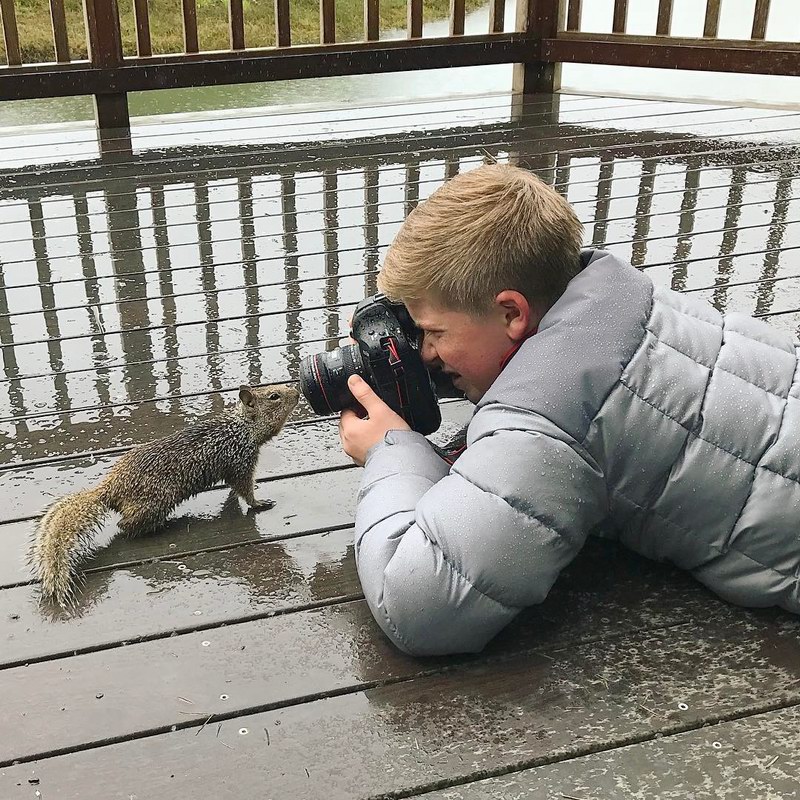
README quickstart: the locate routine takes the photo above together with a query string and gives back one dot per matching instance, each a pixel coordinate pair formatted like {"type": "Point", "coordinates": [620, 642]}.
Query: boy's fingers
{"type": "Point", "coordinates": [346, 415]}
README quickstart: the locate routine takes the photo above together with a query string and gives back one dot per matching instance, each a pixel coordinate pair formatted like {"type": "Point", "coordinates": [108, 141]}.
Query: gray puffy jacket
{"type": "Point", "coordinates": [632, 405]}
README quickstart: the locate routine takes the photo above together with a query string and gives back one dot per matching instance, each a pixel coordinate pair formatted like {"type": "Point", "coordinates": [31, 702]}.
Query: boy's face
{"type": "Point", "coordinates": [468, 348]}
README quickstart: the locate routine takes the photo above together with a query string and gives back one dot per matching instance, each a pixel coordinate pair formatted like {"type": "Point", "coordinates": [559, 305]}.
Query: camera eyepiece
{"type": "Point", "coordinates": [386, 355]}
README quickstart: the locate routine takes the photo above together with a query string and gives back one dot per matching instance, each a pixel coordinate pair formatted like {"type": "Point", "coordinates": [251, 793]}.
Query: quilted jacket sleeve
{"type": "Point", "coordinates": [448, 556]}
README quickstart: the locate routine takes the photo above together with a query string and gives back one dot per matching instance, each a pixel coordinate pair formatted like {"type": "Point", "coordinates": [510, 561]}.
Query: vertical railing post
{"type": "Point", "coordinates": [540, 19]}
{"type": "Point", "coordinates": [105, 51]}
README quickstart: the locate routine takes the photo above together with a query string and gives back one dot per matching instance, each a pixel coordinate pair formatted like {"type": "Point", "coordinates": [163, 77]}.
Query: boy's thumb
{"type": "Point", "coordinates": [362, 391]}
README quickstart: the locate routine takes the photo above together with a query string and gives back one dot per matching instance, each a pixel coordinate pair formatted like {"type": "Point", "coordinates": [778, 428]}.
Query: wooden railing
{"type": "Point", "coordinates": [705, 50]}
{"type": "Point", "coordinates": [547, 34]}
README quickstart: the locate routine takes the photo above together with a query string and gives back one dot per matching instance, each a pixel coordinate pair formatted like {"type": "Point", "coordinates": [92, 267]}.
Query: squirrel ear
{"type": "Point", "coordinates": [246, 396]}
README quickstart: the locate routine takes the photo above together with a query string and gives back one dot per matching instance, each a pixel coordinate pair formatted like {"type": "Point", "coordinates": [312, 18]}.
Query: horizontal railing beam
{"type": "Point", "coordinates": [716, 55]}
{"type": "Point", "coordinates": [211, 69]}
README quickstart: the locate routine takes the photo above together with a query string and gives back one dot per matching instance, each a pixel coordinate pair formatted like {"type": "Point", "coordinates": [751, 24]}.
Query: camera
{"type": "Point", "coordinates": [386, 354]}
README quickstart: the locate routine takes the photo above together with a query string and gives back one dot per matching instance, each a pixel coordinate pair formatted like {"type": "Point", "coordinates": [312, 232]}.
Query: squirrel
{"type": "Point", "coordinates": [151, 479]}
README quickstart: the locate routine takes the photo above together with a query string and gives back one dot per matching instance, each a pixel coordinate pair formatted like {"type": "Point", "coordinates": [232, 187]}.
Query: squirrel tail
{"type": "Point", "coordinates": [63, 538]}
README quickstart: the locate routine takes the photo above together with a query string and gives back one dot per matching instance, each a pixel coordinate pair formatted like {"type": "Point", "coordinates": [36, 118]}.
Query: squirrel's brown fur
{"type": "Point", "coordinates": [146, 484]}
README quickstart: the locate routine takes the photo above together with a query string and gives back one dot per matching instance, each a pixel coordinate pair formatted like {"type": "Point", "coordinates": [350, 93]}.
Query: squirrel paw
{"type": "Point", "coordinates": [262, 505]}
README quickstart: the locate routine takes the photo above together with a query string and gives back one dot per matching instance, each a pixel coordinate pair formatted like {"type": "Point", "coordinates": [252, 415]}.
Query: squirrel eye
{"type": "Point", "coordinates": [274, 396]}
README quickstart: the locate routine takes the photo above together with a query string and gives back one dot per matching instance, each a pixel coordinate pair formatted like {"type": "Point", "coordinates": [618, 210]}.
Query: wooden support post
{"type": "Point", "coordinates": [105, 50]}
{"type": "Point", "coordinates": [540, 19]}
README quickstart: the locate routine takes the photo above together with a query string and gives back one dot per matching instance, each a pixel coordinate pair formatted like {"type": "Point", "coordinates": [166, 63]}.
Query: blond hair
{"type": "Point", "coordinates": [493, 228]}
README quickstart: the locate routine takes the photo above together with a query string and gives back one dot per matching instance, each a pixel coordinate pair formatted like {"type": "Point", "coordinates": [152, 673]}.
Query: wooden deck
{"type": "Point", "coordinates": [232, 656]}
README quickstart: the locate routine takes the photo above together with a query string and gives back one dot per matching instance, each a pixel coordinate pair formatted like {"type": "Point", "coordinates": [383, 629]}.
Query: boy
{"type": "Point", "coordinates": [600, 399]}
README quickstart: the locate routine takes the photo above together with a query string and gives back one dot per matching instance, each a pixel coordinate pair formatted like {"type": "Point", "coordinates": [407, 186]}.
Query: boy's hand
{"type": "Point", "coordinates": [358, 434]}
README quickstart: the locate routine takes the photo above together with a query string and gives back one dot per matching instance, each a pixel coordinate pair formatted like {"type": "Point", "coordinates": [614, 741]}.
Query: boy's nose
{"type": "Point", "coordinates": [429, 355]}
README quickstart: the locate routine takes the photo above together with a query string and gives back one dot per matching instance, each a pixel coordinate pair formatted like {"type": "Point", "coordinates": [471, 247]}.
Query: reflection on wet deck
{"type": "Point", "coordinates": [137, 292]}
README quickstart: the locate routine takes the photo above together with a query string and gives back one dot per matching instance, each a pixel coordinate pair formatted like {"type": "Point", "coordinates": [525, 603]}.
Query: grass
{"type": "Point", "coordinates": [166, 24]}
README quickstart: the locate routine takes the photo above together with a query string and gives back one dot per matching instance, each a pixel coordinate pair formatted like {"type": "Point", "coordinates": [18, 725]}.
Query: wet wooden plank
{"type": "Point", "coordinates": [10, 32]}
{"type": "Point", "coordinates": [200, 592]}
{"type": "Point", "coordinates": [298, 449]}
{"type": "Point", "coordinates": [172, 164]}
{"type": "Point", "coordinates": [705, 274]}
{"type": "Point", "coordinates": [677, 112]}
{"type": "Point", "coordinates": [763, 297]}
{"type": "Point", "coordinates": [748, 240]}
{"type": "Point", "coordinates": [533, 103]}
{"type": "Point", "coordinates": [670, 768]}
{"type": "Point", "coordinates": [351, 286]}
{"type": "Point", "coordinates": [214, 519]}
{"type": "Point", "coordinates": [481, 720]}
{"type": "Point", "coordinates": [129, 603]}
{"type": "Point", "coordinates": [581, 608]}
{"type": "Point", "coordinates": [109, 430]}
{"type": "Point", "coordinates": [672, 138]}
{"type": "Point", "coordinates": [60, 38]}
{"type": "Point", "coordinates": [774, 122]}
{"type": "Point", "coordinates": [284, 456]}
{"type": "Point", "coordinates": [77, 330]}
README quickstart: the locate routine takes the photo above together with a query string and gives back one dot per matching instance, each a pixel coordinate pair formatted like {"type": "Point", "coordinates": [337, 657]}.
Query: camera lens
{"type": "Point", "coordinates": [323, 378]}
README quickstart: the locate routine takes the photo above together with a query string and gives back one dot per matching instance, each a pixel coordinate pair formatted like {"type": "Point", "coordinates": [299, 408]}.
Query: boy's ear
{"type": "Point", "coordinates": [247, 397]}
{"type": "Point", "coordinates": [517, 313]}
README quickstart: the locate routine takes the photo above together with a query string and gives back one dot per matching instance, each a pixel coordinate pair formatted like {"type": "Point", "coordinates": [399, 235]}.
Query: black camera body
{"type": "Point", "coordinates": [386, 355]}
